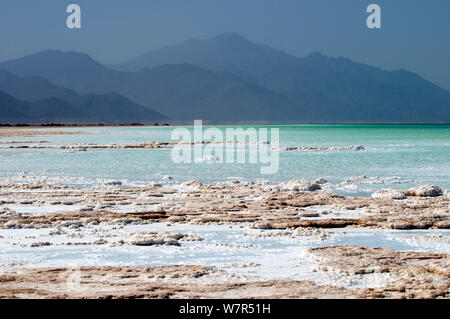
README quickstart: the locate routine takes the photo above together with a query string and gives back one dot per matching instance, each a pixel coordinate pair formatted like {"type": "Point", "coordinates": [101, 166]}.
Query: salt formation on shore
{"type": "Point", "coordinates": [428, 190]}
{"type": "Point", "coordinates": [59, 216]}
{"type": "Point", "coordinates": [274, 206]}
{"type": "Point", "coordinates": [300, 185]}
{"type": "Point", "coordinates": [164, 145]}
{"type": "Point", "coordinates": [160, 238]}
{"type": "Point", "coordinates": [413, 275]}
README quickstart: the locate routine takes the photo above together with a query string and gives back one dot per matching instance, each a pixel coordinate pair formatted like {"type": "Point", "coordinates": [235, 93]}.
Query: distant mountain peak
{"type": "Point", "coordinates": [51, 59]}
{"type": "Point", "coordinates": [70, 69]}
{"type": "Point", "coordinates": [56, 54]}
{"type": "Point", "coordinates": [230, 36]}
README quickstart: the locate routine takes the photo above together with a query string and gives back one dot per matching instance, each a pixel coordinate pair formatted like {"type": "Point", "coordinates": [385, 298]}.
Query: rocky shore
{"type": "Point", "coordinates": [96, 216]}
{"type": "Point", "coordinates": [297, 203]}
{"type": "Point", "coordinates": [14, 144]}
{"type": "Point", "coordinates": [415, 275]}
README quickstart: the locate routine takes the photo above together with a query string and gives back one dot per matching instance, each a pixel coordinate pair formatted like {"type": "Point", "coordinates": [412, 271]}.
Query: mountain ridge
{"type": "Point", "coordinates": [50, 103]}
{"type": "Point", "coordinates": [230, 79]}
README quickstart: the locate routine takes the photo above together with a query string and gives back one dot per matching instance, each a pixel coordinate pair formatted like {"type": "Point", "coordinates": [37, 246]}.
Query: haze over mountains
{"type": "Point", "coordinates": [37, 101]}
{"type": "Point", "coordinates": [226, 79]}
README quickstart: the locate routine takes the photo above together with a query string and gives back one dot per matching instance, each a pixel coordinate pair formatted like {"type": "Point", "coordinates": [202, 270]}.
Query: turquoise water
{"type": "Point", "coordinates": [395, 156]}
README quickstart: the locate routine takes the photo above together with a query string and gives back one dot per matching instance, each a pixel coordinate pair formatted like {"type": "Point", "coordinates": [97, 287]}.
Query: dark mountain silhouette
{"type": "Point", "coordinates": [185, 91]}
{"type": "Point", "coordinates": [115, 108]}
{"type": "Point", "coordinates": [10, 108]}
{"type": "Point", "coordinates": [230, 79]}
{"type": "Point", "coordinates": [13, 110]}
{"type": "Point", "coordinates": [333, 89]}
{"type": "Point", "coordinates": [341, 90]}
{"type": "Point", "coordinates": [72, 70]}
{"type": "Point", "coordinates": [51, 103]}
{"type": "Point", "coordinates": [35, 88]}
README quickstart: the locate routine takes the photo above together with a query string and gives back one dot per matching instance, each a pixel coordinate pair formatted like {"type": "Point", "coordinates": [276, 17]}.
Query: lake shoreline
{"type": "Point", "coordinates": [104, 212]}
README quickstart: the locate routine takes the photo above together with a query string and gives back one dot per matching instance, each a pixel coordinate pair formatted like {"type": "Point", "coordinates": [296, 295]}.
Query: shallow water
{"type": "Point", "coordinates": [395, 156]}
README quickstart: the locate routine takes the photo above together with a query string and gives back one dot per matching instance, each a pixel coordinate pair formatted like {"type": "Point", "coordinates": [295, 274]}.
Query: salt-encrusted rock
{"type": "Point", "coordinates": [56, 231]}
{"type": "Point", "coordinates": [390, 194]}
{"type": "Point", "coordinates": [100, 241]}
{"type": "Point", "coordinates": [300, 185]}
{"type": "Point", "coordinates": [112, 183]}
{"type": "Point", "coordinates": [192, 183]}
{"type": "Point", "coordinates": [40, 244]}
{"type": "Point", "coordinates": [12, 224]}
{"type": "Point", "coordinates": [261, 225]}
{"type": "Point", "coordinates": [428, 190]}
{"type": "Point", "coordinates": [123, 220]}
{"type": "Point", "coordinates": [176, 218]}
{"type": "Point", "coordinates": [71, 224]}
{"type": "Point", "coordinates": [25, 202]}
{"type": "Point", "coordinates": [309, 214]}
{"type": "Point", "coordinates": [320, 181]}
{"type": "Point", "coordinates": [347, 148]}
{"type": "Point", "coordinates": [307, 231]}
{"type": "Point", "coordinates": [154, 184]}
{"type": "Point", "coordinates": [149, 238]}
{"type": "Point", "coordinates": [191, 237]}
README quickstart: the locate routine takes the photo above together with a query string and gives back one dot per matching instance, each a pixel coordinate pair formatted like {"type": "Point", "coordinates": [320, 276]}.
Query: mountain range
{"type": "Point", "coordinates": [225, 79]}
{"type": "Point", "coordinates": [34, 100]}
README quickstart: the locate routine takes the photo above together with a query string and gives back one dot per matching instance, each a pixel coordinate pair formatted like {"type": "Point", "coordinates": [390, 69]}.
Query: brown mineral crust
{"type": "Point", "coordinates": [98, 282]}
{"type": "Point", "coordinates": [417, 274]}
{"type": "Point", "coordinates": [323, 223]}
{"type": "Point", "coordinates": [54, 219]}
{"type": "Point", "coordinates": [219, 203]}
{"type": "Point", "coordinates": [177, 281]}
{"type": "Point", "coordinates": [272, 289]}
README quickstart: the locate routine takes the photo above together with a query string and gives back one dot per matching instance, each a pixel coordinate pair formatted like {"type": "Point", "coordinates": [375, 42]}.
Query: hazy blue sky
{"type": "Point", "coordinates": [415, 34]}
